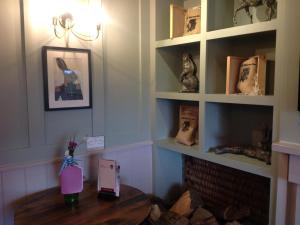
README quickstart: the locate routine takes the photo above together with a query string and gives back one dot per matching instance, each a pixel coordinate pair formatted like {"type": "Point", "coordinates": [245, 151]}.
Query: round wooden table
{"type": "Point", "coordinates": [48, 208]}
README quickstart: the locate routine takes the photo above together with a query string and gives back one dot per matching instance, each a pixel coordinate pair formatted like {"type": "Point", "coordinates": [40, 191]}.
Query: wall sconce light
{"type": "Point", "coordinates": [66, 23]}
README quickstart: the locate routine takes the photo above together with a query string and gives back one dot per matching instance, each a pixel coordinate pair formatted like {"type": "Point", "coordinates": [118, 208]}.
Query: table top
{"type": "Point", "coordinates": [48, 208]}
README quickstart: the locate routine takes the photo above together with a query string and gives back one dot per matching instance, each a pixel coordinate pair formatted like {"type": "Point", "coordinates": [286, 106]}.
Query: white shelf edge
{"type": "Point", "coordinates": [243, 30]}
{"type": "Point", "coordinates": [238, 162]}
{"type": "Point", "coordinates": [178, 96]}
{"type": "Point", "coordinates": [267, 100]}
{"type": "Point", "coordinates": [286, 147]}
{"type": "Point", "coordinates": [178, 41]}
{"type": "Point", "coordinates": [170, 144]}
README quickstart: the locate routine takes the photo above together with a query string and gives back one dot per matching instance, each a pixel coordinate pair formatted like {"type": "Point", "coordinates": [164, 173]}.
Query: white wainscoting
{"type": "Point", "coordinates": [288, 186]}
{"type": "Point", "coordinates": [19, 180]}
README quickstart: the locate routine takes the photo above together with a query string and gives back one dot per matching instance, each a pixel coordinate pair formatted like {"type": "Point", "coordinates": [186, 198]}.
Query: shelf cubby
{"type": "Point", "coordinates": [163, 16]}
{"type": "Point", "coordinates": [167, 124]}
{"type": "Point", "coordinates": [242, 46]}
{"type": "Point", "coordinates": [169, 65]}
{"type": "Point", "coordinates": [232, 124]}
{"type": "Point", "coordinates": [220, 14]}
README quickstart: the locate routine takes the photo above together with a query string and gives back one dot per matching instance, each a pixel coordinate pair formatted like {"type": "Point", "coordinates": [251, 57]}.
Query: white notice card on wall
{"type": "Point", "coordinates": [95, 142]}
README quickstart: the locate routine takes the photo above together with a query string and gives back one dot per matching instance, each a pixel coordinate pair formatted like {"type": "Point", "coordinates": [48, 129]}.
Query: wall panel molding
{"type": "Point", "coordinates": [20, 165]}
{"type": "Point", "coordinates": [14, 113]}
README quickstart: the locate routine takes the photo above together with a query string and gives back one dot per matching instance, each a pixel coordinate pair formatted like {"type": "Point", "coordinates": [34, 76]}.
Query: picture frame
{"type": "Point", "coordinates": [67, 78]}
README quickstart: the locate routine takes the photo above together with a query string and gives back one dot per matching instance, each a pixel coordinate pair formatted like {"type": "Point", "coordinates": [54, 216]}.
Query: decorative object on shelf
{"type": "Point", "coordinates": [184, 21]}
{"type": "Point", "coordinates": [177, 21]}
{"type": "Point", "coordinates": [67, 78]}
{"type": "Point", "coordinates": [260, 147]}
{"type": "Point", "coordinates": [252, 77]}
{"type": "Point", "coordinates": [188, 76]}
{"type": "Point", "coordinates": [192, 21]}
{"type": "Point", "coordinates": [246, 4]}
{"type": "Point", "coordinates": [262, 137]}
{"type": "Point", "coordinates": [232, 73]}
{"type": "Point", "coordinates": [249, 151]}
{"type": "Point", "coordinates": [246, 76]}
{"type": "Point", "coordinates": [108, 178]}
{"type": "Point", "coordinates": [188, 125]}
{"type": "Point", "coordinates": [71, 176]}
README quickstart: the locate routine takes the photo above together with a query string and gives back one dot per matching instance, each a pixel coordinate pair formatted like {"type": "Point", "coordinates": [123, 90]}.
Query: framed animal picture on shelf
{"type": "Point", "coordinates": [67, 78]}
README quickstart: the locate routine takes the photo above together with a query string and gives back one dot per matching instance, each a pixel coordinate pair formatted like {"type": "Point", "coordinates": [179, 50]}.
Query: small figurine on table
{"type": "Point", "coordinates": [188, 77]}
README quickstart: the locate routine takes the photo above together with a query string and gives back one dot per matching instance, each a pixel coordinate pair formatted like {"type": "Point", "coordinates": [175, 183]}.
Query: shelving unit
{"type": "Point", "coordinates": [223, 119]}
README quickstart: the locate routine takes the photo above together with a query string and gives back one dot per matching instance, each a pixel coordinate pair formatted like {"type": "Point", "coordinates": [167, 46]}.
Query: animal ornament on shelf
{"type": "Point", "coordinates": [246, 4]}
{"type": "Point", "coordinates": [188, 77]}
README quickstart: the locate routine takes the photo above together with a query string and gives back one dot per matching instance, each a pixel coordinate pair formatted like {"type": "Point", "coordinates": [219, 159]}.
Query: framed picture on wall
{"type": "Point", "coordinates": [67, 78]}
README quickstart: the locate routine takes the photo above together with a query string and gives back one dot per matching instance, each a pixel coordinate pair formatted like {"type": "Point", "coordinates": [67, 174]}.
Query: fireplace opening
{"type": "Point", "coordinates": [228, 192]}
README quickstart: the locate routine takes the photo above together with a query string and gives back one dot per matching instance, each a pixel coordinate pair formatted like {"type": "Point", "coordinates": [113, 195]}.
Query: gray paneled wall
{"type": "Point", "coordinates": [14, 116]}
{"type": "Point", "coordinates": [126, 51]}
{"type": "Point", "coordinates": [120, 65]}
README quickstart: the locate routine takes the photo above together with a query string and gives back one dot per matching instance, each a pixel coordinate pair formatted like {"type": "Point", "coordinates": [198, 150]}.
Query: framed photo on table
{"type": "Point", "coordinates": [67, 78]}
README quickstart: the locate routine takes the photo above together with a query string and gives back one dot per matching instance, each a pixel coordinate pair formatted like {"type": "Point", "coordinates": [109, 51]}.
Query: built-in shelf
{"type": "Point", "coordinates": [239, 162]}
{"type": "Point", "coordinates": [242, 30]}
{"type": "Point", "coordinates": [223, 119]}
{"type": "Point", "coordinates": [172, 145]}
{"type": "Point", "coordinates": [189, 39]}
{"type": "Point", "coordinates": [267, 100]}
{"type": "Point", "coordinates": [178, 96]}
